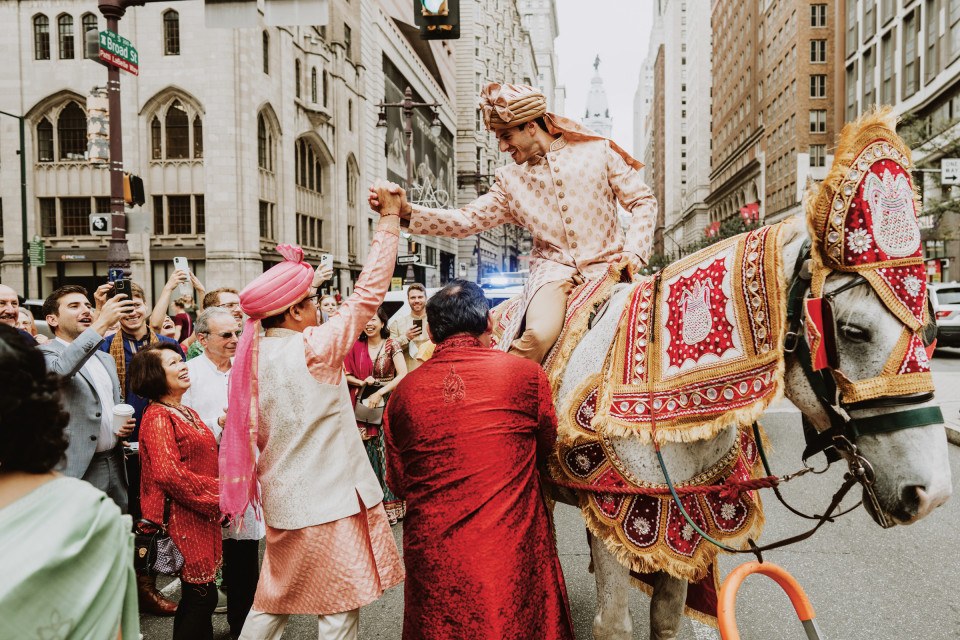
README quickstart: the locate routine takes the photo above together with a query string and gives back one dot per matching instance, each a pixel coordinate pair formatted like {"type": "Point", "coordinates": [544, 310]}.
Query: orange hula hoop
{"type": "Point", "coordinates": [728, 598]}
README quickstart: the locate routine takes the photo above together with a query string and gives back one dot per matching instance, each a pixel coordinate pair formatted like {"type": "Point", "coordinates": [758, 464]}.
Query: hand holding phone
{"type": "Point", "coordinates": [181, 264]}
{"type": "Point", "coordinates": [122, 285]}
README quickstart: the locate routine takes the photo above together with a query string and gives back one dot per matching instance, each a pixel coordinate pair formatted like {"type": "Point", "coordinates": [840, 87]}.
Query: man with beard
{"type": "Point", "coordinates": [134, 335]}
{"type": "Point", "coordinates": [10, 312]}
{"type": "Point", "coordinates": [410, 329]}
{"type": "Point", "coordinates": [218, 332]}
{"type": "Point", "coordinates": [90, 388]}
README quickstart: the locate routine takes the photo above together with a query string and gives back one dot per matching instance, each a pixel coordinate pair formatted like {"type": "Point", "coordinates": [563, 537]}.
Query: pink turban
{"type": "Point", "coordinates": [279, 287]}
{"type": "Point", "coordinates": [273, 292]}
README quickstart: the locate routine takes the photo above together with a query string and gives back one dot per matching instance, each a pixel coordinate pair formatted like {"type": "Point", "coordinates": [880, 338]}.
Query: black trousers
{"type": "Point", "coordinates": [194, 618]}
{"type": "Point", "coordinates": [241, 571]}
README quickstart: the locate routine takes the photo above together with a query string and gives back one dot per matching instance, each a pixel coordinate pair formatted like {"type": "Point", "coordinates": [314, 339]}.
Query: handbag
{"type": "Point", "coordinates": [154, 551]}
{"type": "Point", "coordinates": [372, 416]}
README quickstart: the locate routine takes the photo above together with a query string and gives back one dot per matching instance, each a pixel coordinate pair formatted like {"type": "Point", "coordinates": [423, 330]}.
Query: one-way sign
{"type": "Point", "coordinates": [407, 259]}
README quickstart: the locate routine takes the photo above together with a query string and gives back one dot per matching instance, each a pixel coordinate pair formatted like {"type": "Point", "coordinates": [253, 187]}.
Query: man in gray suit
{"type": "Point", "coordinates": [91, 387]}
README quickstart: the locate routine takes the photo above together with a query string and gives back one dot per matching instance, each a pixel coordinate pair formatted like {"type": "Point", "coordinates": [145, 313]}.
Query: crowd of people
{"type": "Point", "coordinates": [280, 419]}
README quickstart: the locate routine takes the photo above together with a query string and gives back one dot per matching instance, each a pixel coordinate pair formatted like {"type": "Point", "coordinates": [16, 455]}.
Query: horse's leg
{"type": "Point", "coordinates": [666, 606]}
{"type": "Point", "coordinates": [612, 621]}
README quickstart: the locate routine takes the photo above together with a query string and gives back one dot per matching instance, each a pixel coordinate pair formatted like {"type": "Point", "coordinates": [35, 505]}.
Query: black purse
{"type": "Point", "coordinates": [155, 552]}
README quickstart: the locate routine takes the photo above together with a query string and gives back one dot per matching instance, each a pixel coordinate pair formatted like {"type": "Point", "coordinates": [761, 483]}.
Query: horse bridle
{"type": "Point", "coordinates": [840, 439]}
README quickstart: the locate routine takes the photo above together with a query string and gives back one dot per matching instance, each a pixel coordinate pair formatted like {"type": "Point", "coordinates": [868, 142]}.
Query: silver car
{"type": "Point", "coordinates": [945, 298]}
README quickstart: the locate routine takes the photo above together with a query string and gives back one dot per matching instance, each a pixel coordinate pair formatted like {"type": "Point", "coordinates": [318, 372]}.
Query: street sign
{"type": "Point", "coordinates": [407, 259]}
{"type": "Point", "coordinates": [950, 171]}
{"type": "Point", "coordinates": [100, 224]}
{"type": "Point", "coordinates": [37, 252]}
{"type": "Point", "coordinates": [396, 284]}
{"type": "Point", "coordinates": [119, 52]}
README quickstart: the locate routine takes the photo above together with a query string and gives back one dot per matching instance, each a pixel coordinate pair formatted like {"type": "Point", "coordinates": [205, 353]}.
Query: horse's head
{"type": "Point", "coordinates": [857, 367]}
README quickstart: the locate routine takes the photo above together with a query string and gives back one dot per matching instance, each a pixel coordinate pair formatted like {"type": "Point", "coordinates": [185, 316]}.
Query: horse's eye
{"type": "Point", "coordinates": [854, 333]}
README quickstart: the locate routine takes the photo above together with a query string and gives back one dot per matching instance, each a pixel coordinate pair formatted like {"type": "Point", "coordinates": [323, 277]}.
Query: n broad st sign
{"type": "Point", "coordinates": [119, 52]}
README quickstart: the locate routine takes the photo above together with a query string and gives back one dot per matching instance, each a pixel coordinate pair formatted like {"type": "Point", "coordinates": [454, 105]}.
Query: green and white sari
{"type": "Point", "coordinates": [66, 557]}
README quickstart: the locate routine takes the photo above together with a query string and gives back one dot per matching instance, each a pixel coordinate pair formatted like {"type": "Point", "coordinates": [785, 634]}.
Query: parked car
{"type": "Point", "coordinates": [945, 299]}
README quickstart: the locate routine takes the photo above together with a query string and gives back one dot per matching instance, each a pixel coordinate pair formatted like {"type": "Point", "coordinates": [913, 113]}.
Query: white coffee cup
{"type": "Point", "coordinates": [121, 413]}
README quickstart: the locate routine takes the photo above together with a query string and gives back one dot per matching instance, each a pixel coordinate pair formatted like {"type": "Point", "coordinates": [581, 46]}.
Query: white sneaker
{"type": "Point", "coordinates": [221, 602]}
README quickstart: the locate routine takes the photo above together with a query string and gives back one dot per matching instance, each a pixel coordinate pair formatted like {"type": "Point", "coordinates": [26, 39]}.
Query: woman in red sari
{"type": "Point", "coordinates": [376, 362]}
{"type": "Point", "coordinates": [178, 457]}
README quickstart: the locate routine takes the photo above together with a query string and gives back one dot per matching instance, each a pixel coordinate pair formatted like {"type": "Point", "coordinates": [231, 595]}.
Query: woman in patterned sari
{"type": "Point", "coordinates": [375, 363]}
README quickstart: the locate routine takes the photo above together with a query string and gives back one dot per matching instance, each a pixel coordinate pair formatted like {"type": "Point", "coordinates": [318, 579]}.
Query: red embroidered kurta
{"type": "Point", "coordinates": [179, 459]}
{"type": "Point", "coordinates": [465, 433]}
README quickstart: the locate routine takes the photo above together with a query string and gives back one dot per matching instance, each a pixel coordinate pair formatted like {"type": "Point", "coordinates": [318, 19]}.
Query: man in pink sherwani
{"type": "Point", "coordinates": [329, 547]}
{"type": "Point", "coordinates": [564, 189]}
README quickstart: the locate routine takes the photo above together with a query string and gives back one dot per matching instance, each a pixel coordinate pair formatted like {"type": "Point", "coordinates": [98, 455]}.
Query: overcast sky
{"type": "Point", "coordinates": [619, 32]}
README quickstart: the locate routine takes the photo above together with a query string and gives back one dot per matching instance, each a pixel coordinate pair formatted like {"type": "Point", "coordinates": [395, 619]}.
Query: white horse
{"type": "Point", "coordinates": [911, 465]}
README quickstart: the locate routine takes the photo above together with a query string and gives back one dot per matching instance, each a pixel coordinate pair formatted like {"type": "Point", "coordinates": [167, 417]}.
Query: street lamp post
{"type": "Point", "coordinates": [406, 106]}
{"type": "Point", "coordinates": [23, 203]}
{"type": "Point", "coordinates": [480, 181]}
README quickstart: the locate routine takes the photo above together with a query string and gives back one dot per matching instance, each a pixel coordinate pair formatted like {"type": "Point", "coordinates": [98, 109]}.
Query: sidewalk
{"type": "Point", "coordinates": [947, 385]}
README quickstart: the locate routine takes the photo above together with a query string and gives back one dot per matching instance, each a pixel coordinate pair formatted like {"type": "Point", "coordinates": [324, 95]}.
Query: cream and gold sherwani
{"type": "Point", "coordinates": [568, 202]}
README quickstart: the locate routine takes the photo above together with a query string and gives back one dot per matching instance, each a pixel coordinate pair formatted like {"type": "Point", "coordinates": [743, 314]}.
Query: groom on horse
{"type": "Point", "coordinates": [563, 189]}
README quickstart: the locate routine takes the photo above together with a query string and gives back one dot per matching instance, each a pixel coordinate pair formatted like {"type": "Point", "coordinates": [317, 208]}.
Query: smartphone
{"type": "Point", "coordinates": [326, 260]}
{"type": "Point", "coordinates": [418, 323]}
{"type": "Point", "coordinates": [181, 264]}
{"type": "Point", "coordinates": [122, 286]}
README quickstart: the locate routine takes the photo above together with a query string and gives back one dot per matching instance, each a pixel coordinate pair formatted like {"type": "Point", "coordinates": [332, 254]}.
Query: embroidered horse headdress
{"type": "Point", "coordinates": [864, 220]}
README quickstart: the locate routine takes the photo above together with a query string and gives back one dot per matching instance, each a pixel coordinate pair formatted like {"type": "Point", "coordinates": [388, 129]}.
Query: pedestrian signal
{"type": "Point", "coordinates": [133, 190]}
{"type": "Point", "coordinates": [413, 247]}
{"type": "Point", "coordinates": [437, 19]}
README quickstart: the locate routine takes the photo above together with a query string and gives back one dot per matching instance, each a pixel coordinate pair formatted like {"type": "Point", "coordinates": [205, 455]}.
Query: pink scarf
{"type": "Point", "coordinates": [269, 294]}
{"type": "Point", "coordinates": [358, 364]}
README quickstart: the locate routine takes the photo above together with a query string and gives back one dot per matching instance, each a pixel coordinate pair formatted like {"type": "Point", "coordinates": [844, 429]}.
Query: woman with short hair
{"type": "Point", "coordinates": [178, 456]}
{"type": "Point", "coordinates": [67, 560]}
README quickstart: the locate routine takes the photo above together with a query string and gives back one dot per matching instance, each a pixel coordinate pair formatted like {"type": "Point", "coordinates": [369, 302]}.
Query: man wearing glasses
{"type": "Point", "coordinates": [225, 298]}
{"type": "Point", "coordinates": [218, 332]}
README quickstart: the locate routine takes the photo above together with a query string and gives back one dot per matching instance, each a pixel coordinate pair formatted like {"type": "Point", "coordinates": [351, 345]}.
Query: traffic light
{"type": "Point", "coordinates": [133, 190]}
{"type": "Point", "coordinates": [437, 19]}
{"type": "Point", "coordinates": [98, 126]}
{"type": "Point", "coordinates": [413, 247]}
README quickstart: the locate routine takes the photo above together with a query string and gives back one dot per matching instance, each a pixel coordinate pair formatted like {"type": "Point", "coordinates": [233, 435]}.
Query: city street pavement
{"type": "Point", "coordinates": [865, 583]}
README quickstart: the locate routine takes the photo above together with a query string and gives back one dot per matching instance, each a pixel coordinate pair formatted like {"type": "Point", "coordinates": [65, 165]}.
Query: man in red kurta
{"type": "Point", "coordinates": [465, 434]}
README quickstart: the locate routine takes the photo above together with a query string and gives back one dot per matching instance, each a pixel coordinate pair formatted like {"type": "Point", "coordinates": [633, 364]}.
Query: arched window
{"type": "Point", "coordinates": [266, 52]}
{"type": "Point", "coordinates": [89, 23]}
{"type": "Point", "coordinates": [309, 171]}
{"type": "Point", "coordinates": [41, 37]}
{"type": "Point", "coordinates": [65, 36]}
{"type": "Point", "coordinates": [177, 127]}
{"type": "Point", "coordinates": [197, 137]}
{"type": "Point", "coordinates": [325, 89]}
{"type": "Point", "coordinates": [313, 85]}
{"type": "Point", "coordinates": [156, 144]}
{"type": "Point", "coordinates": [171, 33]}
{"type": "Point", "coordinates": [44, 141]}
{"type": "Point", "coordinates": [264, 144]}
{"type": "Point", "coordinates": [176, 131]}
{"type": "Point", "coordinates": [297, 72]}
{"type": "Point", "coordinates": [353, 181]}
{"type": "Point", "coordinates": [72, 132]}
